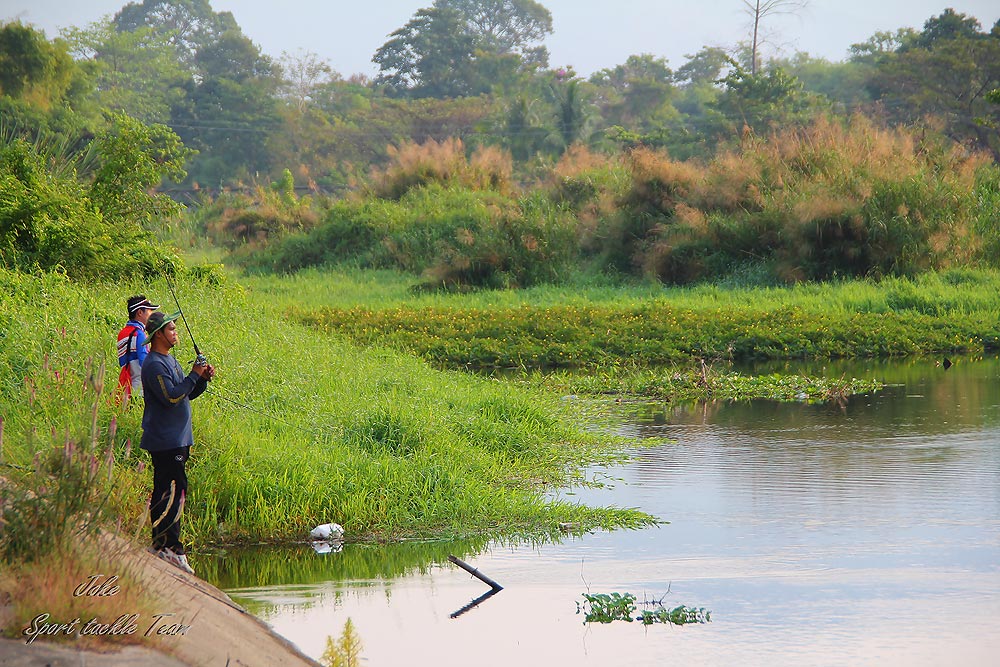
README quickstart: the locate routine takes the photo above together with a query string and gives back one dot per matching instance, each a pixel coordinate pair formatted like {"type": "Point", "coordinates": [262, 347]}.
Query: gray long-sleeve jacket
{"type": "Point", "coordinates": [166, 417]}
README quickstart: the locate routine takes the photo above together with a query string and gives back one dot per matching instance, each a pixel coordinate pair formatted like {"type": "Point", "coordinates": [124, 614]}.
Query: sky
{"type": "Point", "coordinates": [589, 35]}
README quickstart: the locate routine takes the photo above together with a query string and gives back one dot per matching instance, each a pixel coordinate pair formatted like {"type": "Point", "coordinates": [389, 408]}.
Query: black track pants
{"type": "Point", "coordinates": [166, 504]}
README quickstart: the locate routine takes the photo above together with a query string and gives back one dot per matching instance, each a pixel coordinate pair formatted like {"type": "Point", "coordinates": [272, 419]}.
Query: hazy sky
{"type": "Point", "coordinates": [589, 34]}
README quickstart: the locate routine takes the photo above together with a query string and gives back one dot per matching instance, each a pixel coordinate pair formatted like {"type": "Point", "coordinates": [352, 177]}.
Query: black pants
{"type": "Point", "coordinates": [166, 504]}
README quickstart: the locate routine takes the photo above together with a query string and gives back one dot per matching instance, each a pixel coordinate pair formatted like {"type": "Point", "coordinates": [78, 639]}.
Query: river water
{"type": "Point", "coordinates": [861, 534]}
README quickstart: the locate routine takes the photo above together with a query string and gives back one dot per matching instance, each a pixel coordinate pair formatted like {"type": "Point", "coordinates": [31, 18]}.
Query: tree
{"type": "Point", "coordinates": [760, 10]}
{"type": "Point", "coordinates": [431, 56]}
{"type": "Point", "coordinates": [841, 82]}
{"type": "Point", "coordinates": [32, 67]}
{"type": "Point", "coordinates": [882, 44]}
{"type": "Point", "coordinates": [232, 107]}
{"type": "Point", "coordinates": [573, 111]}
{"type": "Point", "coordinates": [302, 75]}
{"type": "Point", "coordinates": [52, 220]}
{"type": "Point", "coordinates": [634, 93]}
{"type": "Point", "coordinates": [506, 26]}
{"type": "Point", "coordinates": [188, 24]}
{"type": "Point", "coordinates": [949, 25]}
{"type": "Point", "coordinates": [133, 159]}
{"type": "Point", "coordinates": [944, 72]}
{"type": "Point", "coordinates": [136, 72]}
{"type": "Point", "coordinates": [463, 47]}
{"type": "Point", "coordinates": [761, 101]}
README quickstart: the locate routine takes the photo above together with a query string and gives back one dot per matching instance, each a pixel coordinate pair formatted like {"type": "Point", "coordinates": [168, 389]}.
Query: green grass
{"type": "Point", "coordinates": [952, 292]}
{"type": "Point", "coordinates": [597, 325]}
{"type": "Point", "coordinates": [305, 426]}
{"type": "Point", "coordinates": [299, 427]}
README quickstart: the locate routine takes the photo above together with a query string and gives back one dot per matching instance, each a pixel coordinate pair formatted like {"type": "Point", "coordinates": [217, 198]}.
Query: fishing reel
{"type": "Point", "coordinates": [201, 360]}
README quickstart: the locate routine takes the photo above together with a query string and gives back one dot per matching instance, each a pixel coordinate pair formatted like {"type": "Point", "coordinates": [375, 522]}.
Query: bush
{"type": "Point", "coordinates": [452, 236]}
{"type": "Point", "coordinates": [48, 222]}
{"type": "Point", "coordinates": [416, 165]}
{"type": "Point", "coordinates": [265, 213]}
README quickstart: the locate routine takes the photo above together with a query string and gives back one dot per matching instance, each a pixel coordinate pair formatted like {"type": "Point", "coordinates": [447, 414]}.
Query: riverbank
{"type": "Point", "coordinates": [192, 624]}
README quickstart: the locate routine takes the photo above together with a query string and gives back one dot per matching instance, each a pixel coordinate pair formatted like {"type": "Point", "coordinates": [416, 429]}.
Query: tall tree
{"type": "Point", "coordinates": [32, 67]}
{"type": "Point", "coordinates": [506, 26]}
{"type": "Point", "coordinates": [759, 10]}
{"type": "Point", "coordinates": [233, 107]}
{"type": "Point", "coordinates": [136, 72]}
{"type": "Point", "coordinates": [302, 74]}
{"type": "Point", "coordinates": [760, 102]}
{"type": "Point", "coordinates": [634, 93]}
{"type": "Point", "coordinates": [945, 72]}
{"type": "Point", "coordinates": [431, 56]}
{"type": "Point", "coordinates": [463, 47]}
{"type": "Point", "coordinates": [188, 24]}
{"type": "Point", "coordinates": [949, 25]}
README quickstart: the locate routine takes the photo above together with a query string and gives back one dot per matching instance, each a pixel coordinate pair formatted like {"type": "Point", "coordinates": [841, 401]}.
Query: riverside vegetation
{"type": "Point", "coordinates": [342, 394]}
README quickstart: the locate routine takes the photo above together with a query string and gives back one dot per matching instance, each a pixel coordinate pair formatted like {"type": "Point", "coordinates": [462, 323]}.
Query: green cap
{"type": "Point", "coordinates": [157, 321]}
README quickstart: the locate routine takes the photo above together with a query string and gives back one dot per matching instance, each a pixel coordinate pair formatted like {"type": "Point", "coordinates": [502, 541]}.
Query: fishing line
{"type": "Point", "coordinates": [202, 359]}
{"type": "Point", "coordinates": [269, 415]}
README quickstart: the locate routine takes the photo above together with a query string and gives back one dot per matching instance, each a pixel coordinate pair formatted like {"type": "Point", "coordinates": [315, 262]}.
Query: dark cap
{"type": "Point", "coordinates": [157, 321]}
{"type": "Point", "coordinates": [139, 301]}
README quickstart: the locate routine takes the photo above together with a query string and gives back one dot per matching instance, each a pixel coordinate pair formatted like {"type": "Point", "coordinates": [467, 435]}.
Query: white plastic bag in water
{"type": "Point", "coordinates": [327, 531]}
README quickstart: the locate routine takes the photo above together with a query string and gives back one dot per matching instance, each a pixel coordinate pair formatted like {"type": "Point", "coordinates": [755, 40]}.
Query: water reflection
{"type": "Point", "coordinates": [862, 534]}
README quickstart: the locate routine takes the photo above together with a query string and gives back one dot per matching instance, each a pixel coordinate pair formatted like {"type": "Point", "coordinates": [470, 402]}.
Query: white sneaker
{"type": "Point", "coordinates": [182, 562]}
{"type": "Point", "coordinates": [179, 561]}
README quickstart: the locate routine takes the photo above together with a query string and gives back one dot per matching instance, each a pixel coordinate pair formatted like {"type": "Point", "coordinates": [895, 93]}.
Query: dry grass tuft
{"type": "Point", "coordinates": [413, 165]}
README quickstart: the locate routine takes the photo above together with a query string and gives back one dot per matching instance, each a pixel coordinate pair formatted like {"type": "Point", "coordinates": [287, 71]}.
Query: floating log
{"type": "Point", "coordinates": [475, 573]}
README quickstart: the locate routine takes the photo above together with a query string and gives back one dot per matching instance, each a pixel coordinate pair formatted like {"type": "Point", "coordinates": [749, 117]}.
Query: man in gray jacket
{"type": "Point", "coordinates": [167, 432]}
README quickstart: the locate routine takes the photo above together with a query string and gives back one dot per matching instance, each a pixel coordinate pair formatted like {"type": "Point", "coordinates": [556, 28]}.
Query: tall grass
{"type": "Point", "coordinates": [449, 236]}
{"type": "Point", "coordinates": [838, 198]}
{"type": "Point", "coordinates": [299, 428]}
{"type": "Point", "coordinates": [414, 165]}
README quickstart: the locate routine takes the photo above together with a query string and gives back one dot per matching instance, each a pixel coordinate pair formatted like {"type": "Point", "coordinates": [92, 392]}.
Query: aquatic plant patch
{"type": "Point", "coordinates": [611, 607]}
{"type": "Point", "coordinates": [648, 334]}
{"type": "Point", "coordinates": [690, 382]}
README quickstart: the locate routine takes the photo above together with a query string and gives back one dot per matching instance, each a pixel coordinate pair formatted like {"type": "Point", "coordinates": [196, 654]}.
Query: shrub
{"type": "Point", "coordinates": [416, 165]}
{"type": "Point", "coordinates": [48, 222]}
{"type": "Point", "coordinates": [261, 215]}
{"type": "Point", "coordinates": [452, 236]}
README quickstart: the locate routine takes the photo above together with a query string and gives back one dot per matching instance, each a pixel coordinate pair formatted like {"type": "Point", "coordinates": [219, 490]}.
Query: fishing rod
{"type": "Point", "coordinates": [200, 358]}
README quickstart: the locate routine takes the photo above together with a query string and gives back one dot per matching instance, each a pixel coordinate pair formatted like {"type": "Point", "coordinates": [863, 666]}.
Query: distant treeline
{"type": "Point", "coordinates": [474, 70]}
{"type": "Point", "coordinates": [472, 162]}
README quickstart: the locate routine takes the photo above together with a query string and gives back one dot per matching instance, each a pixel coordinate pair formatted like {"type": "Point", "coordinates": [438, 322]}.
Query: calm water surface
{"type": "Point", "coordinates": [864, 534]}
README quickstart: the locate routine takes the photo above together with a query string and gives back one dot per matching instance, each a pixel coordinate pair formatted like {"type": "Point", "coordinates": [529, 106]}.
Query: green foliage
{"type": "Point", "coordinates": [856, 320]}
{"type": "Point", "coordinates": [133, 159]}
{"type": "Point", "coordinates": [134, 72]}
{"type": "Point", "coordinates": [48, 221]}
{"type": "Point", "coordinates": [682, 383]}
{"type": "Point", "coordinates": [764, 100]}
{"type": "Point", "coordinates": [611, 607]}
{"type": "Point", "coordinates": [374, 440]}
{"type": "Point", "coordinates": [235, 219]}
{"type": "Point", "coordinates": [431, 56]}
{"type": "Point", "coordinates": [451, 236]}
{"type": "Point", "coordinates": [346, 651]}
{"type": "Point", "coordinates": [32, 68]}
{"type": "Point", "coordinates": [944, 72]}
{"type": "Point", "coordinates": [457, 48]}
